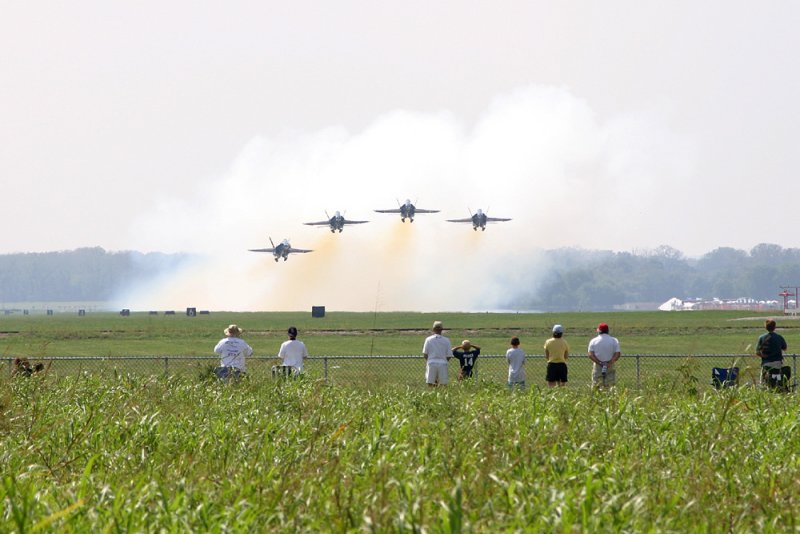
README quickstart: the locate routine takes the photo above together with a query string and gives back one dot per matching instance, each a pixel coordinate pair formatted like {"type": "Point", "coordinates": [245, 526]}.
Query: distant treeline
{"type": "Point", "coordinates": [576, 279]}
{"type": "Point", "coordinates": [561, 279]}
{"type": "Point", "coordinates": [86, 274]}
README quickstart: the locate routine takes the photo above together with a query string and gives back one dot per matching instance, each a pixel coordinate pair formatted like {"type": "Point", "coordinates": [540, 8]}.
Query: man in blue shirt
{"type": "Point", "coordinates": [770, 349]}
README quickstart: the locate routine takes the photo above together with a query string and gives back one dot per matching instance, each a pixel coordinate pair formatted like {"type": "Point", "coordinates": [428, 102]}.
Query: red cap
{"type": "Point", "coordinates": [602, 327]}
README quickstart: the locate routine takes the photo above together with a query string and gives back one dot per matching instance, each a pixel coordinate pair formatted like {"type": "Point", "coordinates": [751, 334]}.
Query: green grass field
{"type": "Point", "coordinates": [103, 447]}
{"type": "Point", "coordinates": [158, 454]}
{"type": "Point", "coordinates": [348, 333]}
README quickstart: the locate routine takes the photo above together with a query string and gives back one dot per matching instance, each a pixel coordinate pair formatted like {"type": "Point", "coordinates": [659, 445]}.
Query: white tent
{"type": "Point", "coordinates": [672, 304]}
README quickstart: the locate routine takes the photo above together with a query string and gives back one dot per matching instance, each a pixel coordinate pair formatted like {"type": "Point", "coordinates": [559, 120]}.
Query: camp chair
{"type": "Point", "coordinates": [722, 377]}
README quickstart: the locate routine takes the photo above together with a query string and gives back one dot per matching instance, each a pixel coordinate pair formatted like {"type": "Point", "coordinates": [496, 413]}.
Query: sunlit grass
{"type": "Point", "coordinates": [131, 453]}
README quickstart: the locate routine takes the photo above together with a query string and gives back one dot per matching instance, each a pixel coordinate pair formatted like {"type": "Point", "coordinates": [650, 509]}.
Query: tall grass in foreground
{"type": "Point", "coordinates": [173, 454]}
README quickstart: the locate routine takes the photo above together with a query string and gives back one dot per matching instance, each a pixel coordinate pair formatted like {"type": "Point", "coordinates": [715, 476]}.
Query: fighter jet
{"type": "Point", "coordinates": [281, 251]}
{"type": "Point", "coordinates": [336, 222]}
{"type": "Point", "coordinates": [407, 211]}
{"type": "Point", "coordinates": [478, 220]}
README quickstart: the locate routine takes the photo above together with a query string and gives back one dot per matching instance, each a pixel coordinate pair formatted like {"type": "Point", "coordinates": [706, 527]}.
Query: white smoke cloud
{"type": "Point", "coordinates": [538, 155]}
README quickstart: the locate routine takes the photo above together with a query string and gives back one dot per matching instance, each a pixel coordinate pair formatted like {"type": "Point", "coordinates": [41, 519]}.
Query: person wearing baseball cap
{"type": "Point", "coordinates": [292, 353]}
{"type": "Point", "coordinates": [556, 349]}
{"type": "Point", "coordinates": [604, 352]}
{"type": "Point", "coordinates": [436, 351]}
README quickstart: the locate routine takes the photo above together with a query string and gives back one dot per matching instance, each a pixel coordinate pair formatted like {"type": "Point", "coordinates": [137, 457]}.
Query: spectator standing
{"type": "Point", "coordinates": [466, 353]}
{"type": "Point", "coordinates": [516, 365]}
{"type": "Point", "coordinates": [232, 350]}
{"type": "Point", "coordinates": [293, 352]}
{"type": "Point", "coordinates": [436, 351]}
{"type": "Point", "coordinates": [556, 349]}
{"type": "Point", "coordinates": [770, 349]}
{"type": "Point", "coordinates": [604, 352]}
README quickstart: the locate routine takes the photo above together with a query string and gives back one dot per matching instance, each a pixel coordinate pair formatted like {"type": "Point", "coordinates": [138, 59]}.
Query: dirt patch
{"type": "Point", "coordinates": [764, 318]}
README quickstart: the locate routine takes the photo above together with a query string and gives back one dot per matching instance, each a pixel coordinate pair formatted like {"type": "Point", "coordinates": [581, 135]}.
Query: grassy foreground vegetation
{"type": "Point", "coordinates": [147, 454]}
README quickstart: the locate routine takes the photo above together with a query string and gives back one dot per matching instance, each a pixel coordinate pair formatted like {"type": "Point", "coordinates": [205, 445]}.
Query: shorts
{"type": "Point", "coordinates": [556, 372]}
{"type": "Point", "coordinates": [436, 373]}
{"type": "Point", "coordinates": [519, 385]}
{"type": "Point", "coordinates": [466, 371]}
{"type": "Point", "coordinates": [776, 377]}
{"type": "Point", "coordinates": [283, 371]}
{"type": "Point", "coordinates": [597, 376]}
{"type": "Point", "coordinates": [227, 373]}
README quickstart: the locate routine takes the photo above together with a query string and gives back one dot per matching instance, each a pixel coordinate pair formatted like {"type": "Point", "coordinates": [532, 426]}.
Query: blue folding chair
{"type": "Point", "coordinates": [722, 377]}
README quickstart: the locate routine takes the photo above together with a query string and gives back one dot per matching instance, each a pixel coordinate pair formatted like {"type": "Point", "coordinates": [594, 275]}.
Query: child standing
{"type": "Point", "coordinates": [556, 350]}
{"type": "Point", "coordinates": [516, 365]}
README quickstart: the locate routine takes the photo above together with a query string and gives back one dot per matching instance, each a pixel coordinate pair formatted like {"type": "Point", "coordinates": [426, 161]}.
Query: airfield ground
{"type": "Point", "coordinates": [170, 451]}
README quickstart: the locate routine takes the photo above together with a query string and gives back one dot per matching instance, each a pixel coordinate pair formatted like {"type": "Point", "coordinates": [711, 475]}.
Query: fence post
{"type": "Point", "coordinates": [638, 373]}
{"type": "Point", "coordinates": [166, 365]}
{"type": "Point", "coordinates": [794, 371]}
{"type": "Point", "coordinates": [325, 364]}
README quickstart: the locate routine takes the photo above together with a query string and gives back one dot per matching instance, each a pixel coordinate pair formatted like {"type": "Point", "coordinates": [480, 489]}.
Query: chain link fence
{"type": "Point", "coordinates": [638, 371]}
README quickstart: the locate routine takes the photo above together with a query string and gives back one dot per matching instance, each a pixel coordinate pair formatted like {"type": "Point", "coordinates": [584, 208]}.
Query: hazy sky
{"type": "Point", "coordinates": [209, 126]}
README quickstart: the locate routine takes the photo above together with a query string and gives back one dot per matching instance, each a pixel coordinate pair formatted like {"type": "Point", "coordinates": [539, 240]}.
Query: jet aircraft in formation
{"type": "Point", "coordinates": [479, 220]}
{"type": "Point", "coordinates": [336, 222]}
{"type": "Point", "coordinates": [407, 211]}
{"type": "Point", "coordinates": [282, 250]}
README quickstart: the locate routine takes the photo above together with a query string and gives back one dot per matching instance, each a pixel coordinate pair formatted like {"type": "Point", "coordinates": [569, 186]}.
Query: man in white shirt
{"type": "Point", "coordinates": [436, 351]}
{"type": "Point", "coordinates": [293, 352]}
{"type": "Point", "coordinates": [232, 350]}
{"type": "Point", "coordinates": [604, 352]}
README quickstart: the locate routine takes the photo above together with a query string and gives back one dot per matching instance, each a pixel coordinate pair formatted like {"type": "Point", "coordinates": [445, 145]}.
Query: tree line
{"type": "Point", "coordinates": [577, 279]}
{"type": "Point", "coordinates": [85, 274]}
{"type": "Point", "coordinates": [564, 279]}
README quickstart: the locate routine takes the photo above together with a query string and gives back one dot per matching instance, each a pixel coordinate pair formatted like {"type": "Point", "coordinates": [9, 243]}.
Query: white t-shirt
{"type": "Point", "coordinates": [437, 347]}
{"type": "Point", "coordinates": [604, 347]}
{"type": "Point", "coordinates": [233, 351]}
{"type": "Point", "coordinates": [516, 364]}
{"type": "Point", "coordinates": [292, 353]}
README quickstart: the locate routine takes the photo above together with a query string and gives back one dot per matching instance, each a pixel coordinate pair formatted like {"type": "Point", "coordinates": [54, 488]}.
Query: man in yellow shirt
{"type": "Point", "coordinates": [557, 351]}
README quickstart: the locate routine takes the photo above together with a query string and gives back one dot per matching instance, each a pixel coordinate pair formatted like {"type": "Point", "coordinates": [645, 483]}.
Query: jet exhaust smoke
{"type": "Point", "coordinates": [538, 155]}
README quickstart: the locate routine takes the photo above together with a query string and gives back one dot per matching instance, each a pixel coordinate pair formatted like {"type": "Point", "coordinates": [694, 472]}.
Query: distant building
{"type": "Point", "coordinates": [742, 303]}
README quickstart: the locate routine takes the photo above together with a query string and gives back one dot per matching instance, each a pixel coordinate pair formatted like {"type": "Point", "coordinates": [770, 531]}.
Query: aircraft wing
{"type": "Point", "coordinates": [301, 250]}
{"type": "Point", "coordinates": [468, 220]}
{"type": "Point", "coordinates": [496, 219]}
{"type": "Point", "coordinates": [320, 223]}
{"type": "Point", "coordinates": [395, 210]}
{"type": "Point", "coordinates": [348, 221]}
{"type": "Point", "coordinates": [418, 210]}
{"type": "Point", "coordinates": [262, 250]}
